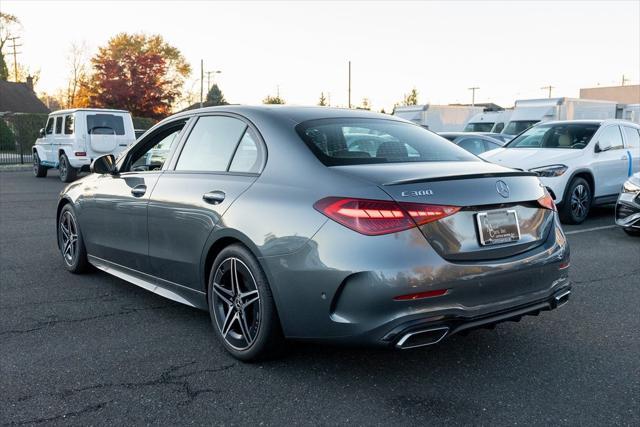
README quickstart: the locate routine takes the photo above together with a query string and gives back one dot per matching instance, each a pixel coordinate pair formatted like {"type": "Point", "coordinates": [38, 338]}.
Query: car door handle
{"type": "Point", "coordinates": [213, 197]}
{"type": "Point", "coordinates": [139, 190]}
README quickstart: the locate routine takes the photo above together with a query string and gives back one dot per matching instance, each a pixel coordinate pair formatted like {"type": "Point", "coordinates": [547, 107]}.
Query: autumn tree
{"type": "Point", "coordinates": [78, 76]}
{"type": "Point", "coordinates": [273, 100]}
{"type": "Point", "coordinates": [215, 96]}
{"type": "Point", "coordinates": [323, 100]}
{"type": "Point", "coordinates": [139, 73]}
{"type": "Point", "coordinates": [411, 98]}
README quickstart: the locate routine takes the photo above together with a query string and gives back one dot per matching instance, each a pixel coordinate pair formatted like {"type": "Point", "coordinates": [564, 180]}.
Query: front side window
{"type": "Point", "coordinates": [562, 135]}
{"type": "Point", "coordinates": [153, 152]}
{"type": "Point", "coordinates": [58, 125]}
{"type": "Point", "coordinates": [479, 127]}
{"type": "Point", "coordinates": [68, 125]}
{"type": "Point", "coordinates": [633, 137]}
{"type": "Point", "coordinates": [49, 128]}
{"type": "Point", "coordinates": [211, 144]}
{"type": "Point", "coordinates": [367, 141]}
{"type": "Point", "coordinates": [105, 124]}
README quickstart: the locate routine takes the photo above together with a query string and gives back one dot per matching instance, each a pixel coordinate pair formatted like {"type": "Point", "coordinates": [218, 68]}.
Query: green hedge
{"type": "Point", "coordinates": [7, 138]}
{"type": "Point", "coordinates": [143, 123]}
{"type": "Point", "coordinates": [25, 128]}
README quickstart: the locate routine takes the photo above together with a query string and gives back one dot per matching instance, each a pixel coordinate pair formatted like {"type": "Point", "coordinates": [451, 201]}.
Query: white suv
{"type": "Point", "coordinates": [73, 138]}
{"type": "Point", "coordinates": [581, 162]}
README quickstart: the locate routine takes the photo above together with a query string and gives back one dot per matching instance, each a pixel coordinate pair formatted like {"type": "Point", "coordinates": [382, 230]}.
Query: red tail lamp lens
{"type": "Point", "coordinates": [376, 217]}
{"type": "Point", "coordinates": [80, 153]}
{"type": "Point", "coordinates": [547, 202]}
{"type": "Point", "coordinates": [421, 295]}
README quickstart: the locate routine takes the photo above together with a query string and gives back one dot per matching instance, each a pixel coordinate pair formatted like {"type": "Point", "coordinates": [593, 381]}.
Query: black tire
{"type": "Point", "coordinates": [74, 254]}
{"type": "Point", "coordinates": [632, 232]}
{"type": "Point", "coordinates": [38, 170]}
{"type": "Point", "coordinates": [577, 202]}
{"type": "Point", "coordinates": [249, 328]}
{"type": "Point", "coordinates": [67, 172]}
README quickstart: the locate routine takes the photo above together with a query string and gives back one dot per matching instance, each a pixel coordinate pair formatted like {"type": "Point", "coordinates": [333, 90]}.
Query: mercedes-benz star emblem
{"type": "Point", "coordinates": [502, 188]}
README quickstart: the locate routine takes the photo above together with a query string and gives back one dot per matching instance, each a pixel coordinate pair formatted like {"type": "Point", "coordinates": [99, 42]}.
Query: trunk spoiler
{"type": "Point", "coordinates": [457, 177]}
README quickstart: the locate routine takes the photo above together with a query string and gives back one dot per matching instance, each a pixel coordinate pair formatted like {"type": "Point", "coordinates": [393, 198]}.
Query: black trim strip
{"type": "Point", "coordinates": [459, 177]}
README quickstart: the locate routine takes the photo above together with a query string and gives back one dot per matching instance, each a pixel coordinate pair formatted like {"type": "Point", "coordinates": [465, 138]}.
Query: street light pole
{"type": "Point", "coordinates": [201, 81]}
{"type": "Point", "coordinates": [473, 95]}
{"type": "Point", "coordinates": [349, 84]}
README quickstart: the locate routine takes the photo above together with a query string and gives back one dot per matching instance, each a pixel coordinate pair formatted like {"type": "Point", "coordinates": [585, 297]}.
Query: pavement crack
{"type": "Point", "coordinates": [619, 276]}
{"type": "Point", "coordinates": [53, 320]}
{"type": "Point", "coordinates": [65, 416]}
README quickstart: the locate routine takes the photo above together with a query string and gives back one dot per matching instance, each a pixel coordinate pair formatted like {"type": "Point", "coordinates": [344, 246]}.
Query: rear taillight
{"type": "Point", "coordinates": [375, 217]}
{"type": "Point", "coordinates": [80, 153]}
{"type": "Point", "coordinates": [547, 202]}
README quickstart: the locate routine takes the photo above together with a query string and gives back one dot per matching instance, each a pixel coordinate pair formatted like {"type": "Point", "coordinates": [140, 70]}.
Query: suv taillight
{"type": "Point", "coordinates": [376, 217]}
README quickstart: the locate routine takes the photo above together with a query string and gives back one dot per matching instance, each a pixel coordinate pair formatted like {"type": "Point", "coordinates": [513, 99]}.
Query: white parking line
{"type": "Point", "coordinates": [604, 227]}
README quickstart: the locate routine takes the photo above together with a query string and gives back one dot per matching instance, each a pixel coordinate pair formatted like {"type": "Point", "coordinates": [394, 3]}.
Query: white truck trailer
{"type": "Point", "coordinates": [438, 118]}
{"type": "Point", "coordinates": [528, 112]}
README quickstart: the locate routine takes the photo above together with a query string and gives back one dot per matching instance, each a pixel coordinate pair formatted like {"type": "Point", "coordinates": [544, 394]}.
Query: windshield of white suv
{"type": "Point", "coordinates": [479, 127]}
{"type": "Point", "coordinates": [561, 135]}
{"type": "Point", "coordinates": [517, 126]}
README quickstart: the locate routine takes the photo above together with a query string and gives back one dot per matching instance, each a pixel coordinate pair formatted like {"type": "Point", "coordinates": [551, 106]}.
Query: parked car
{"type": "Point", "coordinates": [473, 142]}
{"type": "Point", "coordinates": [71, 139]}
{"type": "Point", "coordinates": [438, 118]}
{"type": "Point", "coordinates": [582, 163]}
{"type": "Point", "coordinates": [628, 206]}
{"type": "Point", "coordinates": [267, 219]}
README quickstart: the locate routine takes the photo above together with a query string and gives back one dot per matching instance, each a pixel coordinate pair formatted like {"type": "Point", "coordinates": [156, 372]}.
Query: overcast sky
{"type": "Point", "coordinates": [509, 49]}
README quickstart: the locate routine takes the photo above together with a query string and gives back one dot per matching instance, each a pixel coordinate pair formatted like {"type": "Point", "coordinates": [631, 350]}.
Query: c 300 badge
{"type": "Point", "coordinates": [417, 193]}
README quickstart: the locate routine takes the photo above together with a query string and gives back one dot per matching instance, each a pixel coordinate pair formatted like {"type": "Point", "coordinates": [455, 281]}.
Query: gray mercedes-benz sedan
{"type": "Point", "coordinates": [318, 224]}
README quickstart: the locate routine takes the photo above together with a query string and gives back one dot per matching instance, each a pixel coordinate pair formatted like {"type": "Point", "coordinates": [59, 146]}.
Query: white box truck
{"type": "Point", "coordinates": [489, 121]}
{"type": "Point", "coordinates": [438, 118]}
{"type": "Point", "coordinates": [528, 112]}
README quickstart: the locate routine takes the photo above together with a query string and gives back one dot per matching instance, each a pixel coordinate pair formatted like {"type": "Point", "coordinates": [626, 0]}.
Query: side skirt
{"type": "Point", "coordinates": [164, 288]}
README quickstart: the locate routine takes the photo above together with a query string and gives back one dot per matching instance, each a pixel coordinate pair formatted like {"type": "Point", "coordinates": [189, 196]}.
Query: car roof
{"type": "Point", "coordinates": [295, 114]}
{"type": "Point", "coordinates": [93, 110]}
{"type": "Point", "coordinates": [590, 122]}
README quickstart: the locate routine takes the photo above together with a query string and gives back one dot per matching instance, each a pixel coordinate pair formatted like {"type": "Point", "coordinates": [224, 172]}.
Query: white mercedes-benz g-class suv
{"type": "Point", "coordinates": [73, 138]}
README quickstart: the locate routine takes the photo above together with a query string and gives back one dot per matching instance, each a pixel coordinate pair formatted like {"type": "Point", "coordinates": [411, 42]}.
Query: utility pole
{"type": "Point", "coordinates": [548, 88]}
{"type": "Point", "coordinates": [473, 95]}
{"type": "Point", "coordinates": [201, 81]}
{"type": "Point", "coordinates": [349, 84]}
{"type": "Point", "coordinates": [15, 56]}
{"type": "Point", "coordinates": [624, 79]}
{"type": "Point", "coordinates": [329, 99]}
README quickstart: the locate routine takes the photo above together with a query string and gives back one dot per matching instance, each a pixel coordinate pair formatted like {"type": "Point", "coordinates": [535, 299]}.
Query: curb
{"type": "Point", "coordinates": [15, 168]}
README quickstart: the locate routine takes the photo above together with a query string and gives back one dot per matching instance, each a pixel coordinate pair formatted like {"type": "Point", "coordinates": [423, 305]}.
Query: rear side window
{"type": "Point", "coordinates": [211, 144]}
{"type": "Point", "coordinates": [58, 125]}
{"type": "Point", "coordinates": [472, 145]}
{"type": "Point", "coordinates": [68, 125]}
{"type": "Point", "coordinates": [613, 137]}
{"type": "Point", "coordinates": [248, 156]}
{"type": "Point", "coordinates": [49, 128]}
{"type": "Point", "coordinates": [105, 124]}
{"type": "Point", "coordinates": [367, 141]}
{"type": "Point", "coordinates": [633, 136]}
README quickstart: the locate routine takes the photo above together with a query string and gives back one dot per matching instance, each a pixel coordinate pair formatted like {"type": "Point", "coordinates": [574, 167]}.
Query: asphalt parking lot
{"type": "Point", "coordinates": [94, 350]}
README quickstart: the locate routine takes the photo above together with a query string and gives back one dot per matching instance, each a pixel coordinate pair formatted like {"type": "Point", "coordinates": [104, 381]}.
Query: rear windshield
{"type": "Point", "coordinates": [105, 124]}
{"type": "Point", "coordinates": [515, 127]}
{"type": "Point", "coordinates": [479, 127]}
{"type": "Point", "coordinates": [364, 141]}
{"type": "Point", "coordinates": [569, 136]}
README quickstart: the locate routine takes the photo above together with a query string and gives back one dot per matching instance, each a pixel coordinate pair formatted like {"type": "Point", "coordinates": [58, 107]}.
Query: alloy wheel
{"type": "Point", "coordinates": [68, 238]}
{"type": "Point", "coordinates": [63, 168]}
{"type": "Point", "coordinates": [580, 199]}
{"type": "Point", "coordinates": [36, 163]}
{"type": "Point", "coordinates": [236, 303]}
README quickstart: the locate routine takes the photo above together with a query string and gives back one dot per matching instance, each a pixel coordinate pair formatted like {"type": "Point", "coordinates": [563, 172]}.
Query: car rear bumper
{"type": "Point", "coordinates": [628, 211]}
{"type": "Point", "coordinates": [343, 287]}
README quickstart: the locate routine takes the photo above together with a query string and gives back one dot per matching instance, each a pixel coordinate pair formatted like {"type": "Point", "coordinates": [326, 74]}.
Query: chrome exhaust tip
{"type": "Point", "coordinates": [562, 299]}
{"type": "Point", "coordinates": [422, 338]}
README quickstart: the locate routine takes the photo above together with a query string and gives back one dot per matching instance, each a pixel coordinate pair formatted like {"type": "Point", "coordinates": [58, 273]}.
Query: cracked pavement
{"type": "Point", "coordinates": [94, 350]}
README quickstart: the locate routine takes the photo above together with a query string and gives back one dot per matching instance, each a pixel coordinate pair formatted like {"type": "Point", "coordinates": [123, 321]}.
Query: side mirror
{"type": "Point", "coordinates": [602, 146]}
{"type": "Point", "coordinates": [104, 165]}
{"type": "Point", "coordinates": [41, 133]}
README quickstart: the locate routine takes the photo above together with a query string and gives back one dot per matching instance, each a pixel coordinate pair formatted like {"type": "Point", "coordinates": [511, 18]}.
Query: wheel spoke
{"type": "Point", "coordinates": [235, 284]}
{"type": "Point", "coordinates": [222, 293]}
{"type": "Point", "coordinates": [228, 322]}
{"type": "Point", "coordinates": [249, 298]}
{"type": "Point", "coordinates": [245, 328]}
